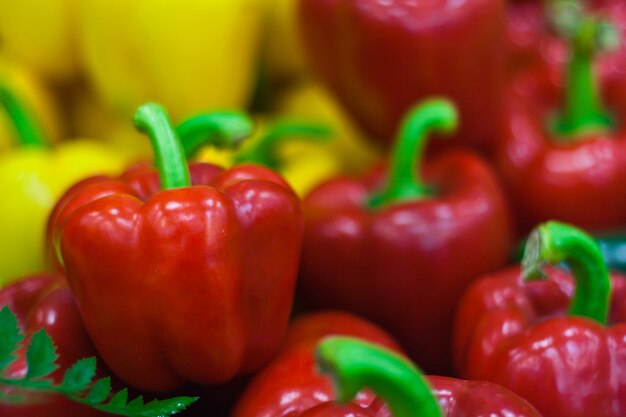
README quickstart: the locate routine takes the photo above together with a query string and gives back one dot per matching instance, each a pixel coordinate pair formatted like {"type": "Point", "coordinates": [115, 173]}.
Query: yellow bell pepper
{"type": "Point", "coordinates": [32, 178]}
{"type": "Point", "coordinates": [190, 55]}
{"type": "Point", "coordinates": [31, 90]}
{"type": "Point", "coordinates": [310, 102]}
{"type": "Point", "coordinates": [41, 34]}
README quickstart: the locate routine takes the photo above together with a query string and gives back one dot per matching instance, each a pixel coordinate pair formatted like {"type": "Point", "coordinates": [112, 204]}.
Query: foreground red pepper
{"type": "Point", "coordinates": [382, 57]}
{"type": "Point", "coordinates": [519, 335]}
{"type": "Point", "coordinates": [45, 301]}
{"type": "Point", "coordinates": [178, 283]}
{"type": "Point", "coordinates": [290, 385]}
{"type": "Point", "coordinates": [569, 167]}
{"type": "Point", "coordinates": [404, 255]}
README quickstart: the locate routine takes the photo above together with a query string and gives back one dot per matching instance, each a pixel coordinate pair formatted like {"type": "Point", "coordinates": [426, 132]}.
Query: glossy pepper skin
{"type": "Point", "coordinates": [403, 256]}
{"type": "Point", "coordinates": [561, 152]}
{"type": "Point", "coordinates": [519, 334]}
{"type": "Point", "coordinates": [168, 52]}
{"type": "Point", "coordinates": [289, 385]}
{"type": "Point", "coordinates": [45, 302]}
{"type": "Point", "coordinates": [292, 386]}
{"type": "Point", "coordinates": [379, 58]}
{"type": "Point", "coordinates": [32, 177]}
{"type": "Point", "coordinates": [199, 279]}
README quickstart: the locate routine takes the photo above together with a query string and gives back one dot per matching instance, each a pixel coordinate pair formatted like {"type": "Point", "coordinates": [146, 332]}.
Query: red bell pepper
{"type": "Point", "coordinates": [45, 302]}
{"type": "Point", "coordinates": [290, 385]}
{"type": "Point", "coordinates": [402, 253]}
{"type": "Point", "coordinates": [354, 365]}
{"type": "Point", "coordinates": [222, 129]}
{"type": "Point", "coordinates": [569, 167]}
{"type": "Point", "coordinates": [519, 335]}
{"type": "Point", "coordinates": [176, 282]}
{"type": "Point", "coordinates": [381, 57]}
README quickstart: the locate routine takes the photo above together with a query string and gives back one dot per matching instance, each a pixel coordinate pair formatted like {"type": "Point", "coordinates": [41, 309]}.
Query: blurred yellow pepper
{"type": "Point", "coordinates": [309, 102]}
{"type": "Point", "coordinates": [190, 55]}
{"type": "Point", "coordinates": [41, 34]}
{"type": "Point", "coordinates": [31, 90]}
{"type": "Point", "coordinates": [32, 178]}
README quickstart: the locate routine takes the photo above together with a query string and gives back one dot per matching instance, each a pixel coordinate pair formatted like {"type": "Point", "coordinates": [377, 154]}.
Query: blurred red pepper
{"type": "Point", "coordinates": [569, 166]}
{"type": "Point", "coordinates": [528, 36]}
{"type": "Point", "coordinates": [290, 385]}
{"type": "Point", "coordinates": [178, 283]}
{"type": "Point", "coordinates": [519, 335]}
{"type": "Point", "coordinates": [46, 302]}
{"type": "Point", "coordinates": [402, 255]}
{"type": "Point", "coordinates": [382, 57]}
{"type": "Point", "coordinates": [533, 42]}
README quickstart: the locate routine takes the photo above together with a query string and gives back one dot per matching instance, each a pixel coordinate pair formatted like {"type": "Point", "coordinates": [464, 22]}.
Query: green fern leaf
{"type": "Point", "coordinates": [40, 356]}
{"type": "Point", "coordinates": [10, 337]}
{"type": "Point", "coordinates": [79, 376]}
{"type": "Point", "coordinates": [99, 391]}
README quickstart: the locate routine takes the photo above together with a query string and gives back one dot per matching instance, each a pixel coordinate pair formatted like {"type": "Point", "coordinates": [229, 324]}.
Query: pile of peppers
{"type": "Point", "coordinates": [313, 208]}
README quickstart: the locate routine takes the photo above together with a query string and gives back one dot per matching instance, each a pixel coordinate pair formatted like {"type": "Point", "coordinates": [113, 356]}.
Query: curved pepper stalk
{"type": "Point", "coordinates": [265, 150]}
{"type": "Point", "coordinates": [405, 183]}
{"type": "Point", "coordinates": [225, 129]}
{"type": "Point", "coordinates": [169, 154]}
{"type": "Point", "coordinates": [354, 365]}
{"type": "Point", "coordinates": [555, 242]}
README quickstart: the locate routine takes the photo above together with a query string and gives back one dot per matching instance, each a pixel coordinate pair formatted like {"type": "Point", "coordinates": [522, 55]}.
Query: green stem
{"type": "Point", "coordinates": [583, 111]}
{"type": "Point", "coordinates": [405, 183]}
{"type": "Point", "coordinates": [265, 150]}
{"type": "Point", "coordinates": [28, 133]}
{"type": "Point", "coordinates": [354, 365]}
{"type": "Point", "coordinates": [221, 129]}
{"type": "Point", "coordinates": [152, 119]}
{"type": "Point", "coordinates": [554, 242]}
